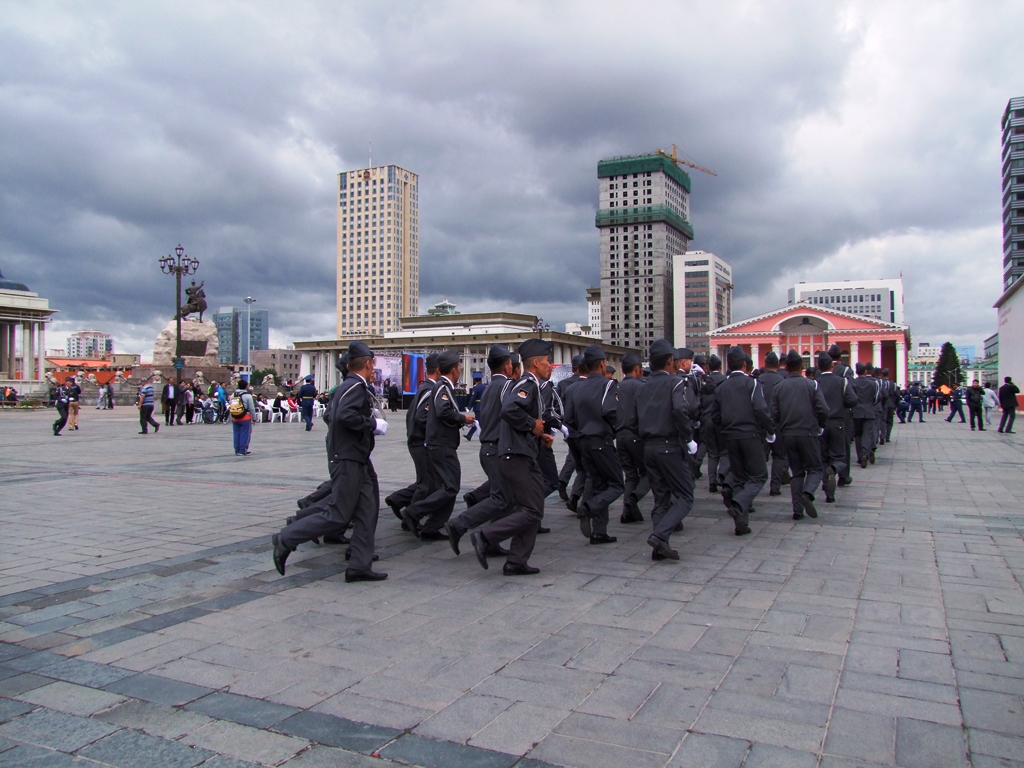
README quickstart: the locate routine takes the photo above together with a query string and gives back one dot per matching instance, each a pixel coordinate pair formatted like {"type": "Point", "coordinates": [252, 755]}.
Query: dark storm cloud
{"type": "Point", "coordinates": [128, 128]}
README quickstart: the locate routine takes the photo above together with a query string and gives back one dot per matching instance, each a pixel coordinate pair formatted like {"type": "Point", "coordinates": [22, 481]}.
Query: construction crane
{"type": "Point", "coordinates": [677, 160]}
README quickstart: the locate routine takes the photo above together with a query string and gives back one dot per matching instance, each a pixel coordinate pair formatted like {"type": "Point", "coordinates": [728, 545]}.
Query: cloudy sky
{"type": "Point", "coordinates": [851, 140]}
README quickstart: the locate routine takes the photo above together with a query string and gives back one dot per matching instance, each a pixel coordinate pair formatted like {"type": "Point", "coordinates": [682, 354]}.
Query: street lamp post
{"type": "Point", "coordinates": [178, 265]}
{"type": "Point", "coordinates": [249, 301]}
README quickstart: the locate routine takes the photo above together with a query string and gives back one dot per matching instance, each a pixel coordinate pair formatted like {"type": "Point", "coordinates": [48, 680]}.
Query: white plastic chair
{"type": "Point", "coordinates": [279, 415]}
{"type": "Point", "coordinates": [267, 414]}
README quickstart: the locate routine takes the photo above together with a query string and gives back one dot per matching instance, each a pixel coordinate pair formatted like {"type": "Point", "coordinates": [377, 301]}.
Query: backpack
{"type": "Point", "coordinates": [236, 407]}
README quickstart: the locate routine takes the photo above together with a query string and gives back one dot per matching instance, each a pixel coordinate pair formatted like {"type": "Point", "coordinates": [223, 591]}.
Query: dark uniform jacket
{"type": "Point", "coordinates": [564, 389]}
{"type": "Point", "coordinates": [490, 408]}
{"type": "Point", "coordinates": [662, 411]}
{"type": "Point", "coordinates": [707, 393]}
{"type": "Point", "coordinates": [416, 416]}
{"type": "Point", "coordinates": [739, 408]}
{"type": "Point", "coordinates": [592, 406]}
{"type": "Point", "coordinates": [768, 379]}
{"type": "Point", "coordinates": [798, 407]}
{"type": "Point", "coordinates": [350, 435]}
{"type": "Point", "coordinates": [626, 417]}
{"type": "Point", "coordinates": [692, 383]}
{"type": "Point", "coordinates": [868, 393]}
{"type": "Point", "coordinates": [520, 408]}
{"type": "Point", "coordinates": [307, 392]}
{"type": "Point", "coordinates": [444, 420]}
{"type": "Point", "coordinates": [1008, 395]}
{"type": "Point", "coordinates": [838, 393]}
{"type": "Point", "coordinates": [552, 410]}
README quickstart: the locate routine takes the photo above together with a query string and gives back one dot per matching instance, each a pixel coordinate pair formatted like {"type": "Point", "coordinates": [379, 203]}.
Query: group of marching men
{"type": "Point", "coordinates": [648, 432]}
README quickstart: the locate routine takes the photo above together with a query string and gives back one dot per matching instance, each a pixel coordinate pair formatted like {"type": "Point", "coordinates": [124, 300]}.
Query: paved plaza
{"type": "Point", "coordinates": [142, 623]}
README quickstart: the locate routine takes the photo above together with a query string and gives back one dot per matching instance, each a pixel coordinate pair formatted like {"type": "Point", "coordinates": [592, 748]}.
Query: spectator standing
{"type": "Point", "coordinates": [145, 405]}
{"type": "Point", "coordinates": [190, 404]}
{"type": "Point", "coordinates": [990, 401]}
{"type": "Point", "coordinates": [1008, 402]}
{"type": "Point", "coordinates": [167, 403]}
{"type": "Point", "coordinates": [975, 399]}
{"type": "Point", "coordinates": [101, 397]}
{"type": "Point", "coordinates": [222, 403]}
{"type": "Point", "coordinates": [180, 393]}
{"type": "Point", "coordinates": [242, 410]}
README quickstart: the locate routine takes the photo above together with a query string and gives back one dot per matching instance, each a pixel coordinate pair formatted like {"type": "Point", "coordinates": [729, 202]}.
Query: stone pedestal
{"type": "Point", "coordinates": [195, 333]}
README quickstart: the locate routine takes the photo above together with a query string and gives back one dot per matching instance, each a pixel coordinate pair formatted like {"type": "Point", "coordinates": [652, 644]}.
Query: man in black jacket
{"type": "Point", "coordinates": [355, 497]}
{"type": "Point", "coordinates": [718, 459]}
{"type": "Point", "coordinates": [416, 436]}
{"type": "Point", "coordinates": [864, 431]}
{"type": "Point", "coordinates": [740, 411]}
{"type": "Point", "coordinates": [522, 431]}
{"type": "Point", "coordinates": [628, 445]}
{"type": "Point", "coordinates": [1008, 402]}
{"type": "Point", "coordinates": [799, 412]}
{"type": "Point", "coordinates": [975, 404]}
{"type": "Point", "coordinates": [445, 421]}
{"type": "Point", "coordinates": [591, 412]}
{"type": "Point", "coordinates": [769, 378]}
{"type": "Point", "coordinates": [835, 445]}
{"type": "Point", "coordinates": [572, 463]}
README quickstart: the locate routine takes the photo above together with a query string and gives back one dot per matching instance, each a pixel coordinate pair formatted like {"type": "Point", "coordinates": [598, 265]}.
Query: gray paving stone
{"type": "Point", "coordinates": [337, 731]}
{"type": "Point", "coordinates": [220, 761]}
{"type": "Point", "coordinates": [241, 709]}
{"type": "Point", "coordinates": [462, 719]}
{"type": "Point", "coordinates": [582, 753]}
{"type": "Point", "coordinates": [18, 684]}
{"type": "Point", "coordinates": [25, 756]}
{"type": "Point", "coordinates": [55, 730]}
{"type": "Point", "coordinates": [245, 743]}
{"type": "Point", "coordinates": [929, 745]}
{"type": "Point", "coordinates": [31, 662]}
{"type": "Point", "coordinates": [10, 709]}
{"type": "Point", "coordinates": [327, 757]}
{"type": "Point", "coordinates": [431, 753]}
{"type": "Point", "coordinates": [701, 749]}
{"type": "Point", "coordinates": [83, 672]}
{"type": "Point", "coordinates": [990, 711]}
{"type": "Point", "coordinates": [995, 745]}
{"type": "Point", "coordinates": [131, 749]}
{"type": "Point", "coordinates": [160, 690]}
{"type": "Point", "coordinates": [768, 756]}
{"type": "Point", "coordinates": [862, 735]}
{"type": "Point", "coordinates": [71, 698]}
{"type": "Point", "coordinates": [155, 719]}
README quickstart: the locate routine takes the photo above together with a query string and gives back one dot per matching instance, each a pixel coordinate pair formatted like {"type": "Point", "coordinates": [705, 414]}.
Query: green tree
{"type": "Point", "coordinates": [947, 370]}
{"type": "Point", "coordinates": [256, 377]}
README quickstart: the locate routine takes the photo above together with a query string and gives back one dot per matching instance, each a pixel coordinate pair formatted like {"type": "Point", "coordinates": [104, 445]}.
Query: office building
{"type": "Point", "coordinates": [643, 218]}
{"type": "Point", "coordinates": [378, 269]}
{"type": "Point", "coordinates": [1013, 191]}
{"type": "Point", "coordinates": [285, 362]}
{"type": "Point", "coordinates": [235, 336]}
{"type": "Point", "coordinates": [89, 344]}
{"type": "Point", "coordinates": [702, 288]}
{"type": "Point", "coordinates": [880, 299]}
{"type": "Point", "coordinates": [594, 310]}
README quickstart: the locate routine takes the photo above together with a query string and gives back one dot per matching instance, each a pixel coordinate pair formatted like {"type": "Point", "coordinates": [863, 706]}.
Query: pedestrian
{"type": "Point", "coordinates": [915, 393]}
{"type": "Point", "coordinates": [741, 413]}
{"type": "Point", "coordinates": [1008, 402]}
{"type": "Point", "coordinates": [394, 397]}
{"type": "Point", "coordinates": [167, 403]}
{"type": "Point", "coordinates": [521, 433]}
{"type": "Point", "coordinates": [179, 401]}
{"type": "Point", "coordinates": [145, 405]}
{"type": "Point", "coordinates": [769, 378]}
{"type": "Point", "coordinates": [354, 499]}
{"type": "Point", "coordinates": [628, 444]}
{"type": "Point", "coordinates": [990, 402]}
{"type": "Point", "coordinates": [101, 397]}
{"type": "Point", "coordinates": [956, 406]}
{"type": "Point", "coordinates": [190, 404]}
{"type": "Point", "coordinates": [864, 430]}
{"type": "Point", "coordinates": [975, 404]}
{"type": "Point", "coordinates": [74, 394]}
{"type": "Point", "coordinates": [475, 398]}
{"type": "Point", "coordinates": [661, 412]}
{"type": "Point", "coordinates": [835, 445]}
{"type": "Point", "coordinates": [891, 401]}
{"type": "Point", "coordinates": [62, 398]}
{"type": "Point", "coordinates": [110, 395]}
{"type": "Point", "coordinates": [242, 409]}
{"type": "Point", "coordinates": [307, 398]}
{"type": "Point", "coordinates": [800, 414]}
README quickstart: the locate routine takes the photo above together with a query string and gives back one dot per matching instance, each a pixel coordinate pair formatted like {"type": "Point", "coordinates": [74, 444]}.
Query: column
{"type": "Point", "coordinates": [42, 351]}
{"type": "Point", "coordinates": [26, 361]}
{"type": "Point", "coordinates": [901, 364]}
{"type": "Point", "coordinates": [777, 349]}
{"type": "Point", "coordinates": [876, 354]}
{"type": "Point", "coordinates": [11, 351]}
{"type": "Point", "coordinates": [29, 371]}
{"type": "Point", "coordinates": [3, 350]}
{"type": "Point", "coordinates": [755, 355]}
{"type": "Point", "coordinates": [305, 366]}
{"type": "Point", "coordinates": [854, 354]}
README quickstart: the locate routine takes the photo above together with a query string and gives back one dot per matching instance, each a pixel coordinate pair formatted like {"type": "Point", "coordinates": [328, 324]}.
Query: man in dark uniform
{"type": "Point", "coordinates": [445, 421]}
{"type": "Point", "coordinates": [628, 445]}
{"type": "Point", "coordinates": [522, 431]}
{"type": "Point", "coordinates": [554, 412]}
{"type": "Point", "coordinates": [476, 395]}
{"type": "Point", "coordinates": [416, 436]}
{"type": "Point", "coordinates": [662, 414]}
{"type": "Point", "coordinates": [497, 501]}
{"type": "Point", "coordinates": [740, 411]}
{"type": "Point", "coordinates": [354, 498]}
{"type": "Point", "coordinates": [839, 397]}
{"type": "Point", "coordinates": [864, 413]}
{"type": "Point", "coordinates": [770, 376]}
{"type": "Point", "coordinates": [883, 398]}
{"type": "Point", "coordinates": [890, 404]}
{"type": "Point", "coordinates": [61, 401]}
{"type": "Point", "coordinates": [718, 459]}
{"type": "Point", "coordinates": [916, 403]}
{"type": "Point", "coordinates": [572, 463]}
{"type": "Point", "coordinates": [799, 412]}
{"type": "Point", "coordinates": [843, 372]}
{"type": "Point", "coordinates": [591, 411]}
{"type": "Point", "coordinates": [307, 398]}
{"type": "Point", "coordinates": [692, 383]}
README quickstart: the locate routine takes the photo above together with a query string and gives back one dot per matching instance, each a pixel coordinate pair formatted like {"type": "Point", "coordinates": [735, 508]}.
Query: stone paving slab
{"type": "Point", "coordinates": [143, 619]}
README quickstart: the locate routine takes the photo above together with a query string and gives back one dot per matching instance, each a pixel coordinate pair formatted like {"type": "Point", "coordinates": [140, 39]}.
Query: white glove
{"type": "Point", "coordinates": [565, 432]}
{"type": "Point", "coordinates": [691, 447]}
{"type": "Point", "coordinates": [770, 438]}
{"type": "Point", "coordinates": [381, 428]}
{"type": "Point", "coordinates": [821, 431]}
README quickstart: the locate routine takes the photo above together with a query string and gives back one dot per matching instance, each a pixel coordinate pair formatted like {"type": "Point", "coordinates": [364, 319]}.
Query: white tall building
{"type": "Point", "coordinates": [594, 310]}
{"type": "Point", "coordinates": [702, 286]}
{"type": "Point", "coordinates": [643, 217]}
{"type": "Point", "coordinates": [378, 275]}
{"type": "Point", "coordinates": [90, 344]}
{"type": "Point", "coordinates": [880, 299]}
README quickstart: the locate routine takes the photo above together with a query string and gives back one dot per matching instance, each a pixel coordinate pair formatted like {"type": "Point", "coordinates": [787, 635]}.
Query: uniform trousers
{"type": "Point", "coordinates": [420, 487]}
{"type": "Point", "coordinates": [748, 471]}
{"type": "Point", "coordinates": [779, 464]}
{"type": "Point", "coordinates": [433, 511]}
{"type": "Point", "coordinates": [835, 447]}
{"type": "Point", "coordinates": [354, 501]}
{"type": "Point", "coordinates": [308, 502]}
{"type": "Point", "coordinates": [630, 449]}
{"type": "Point", "coordinates": [573, 464]}
{"type": "Point", "coordinates": [306, 409]}
{"type": "Point", "coordinates": [499, 501]}
{"type": "Point", "coordinates": [548, 468]}
{"type": "Point", "coordinates": [718, 458]}
{"type": "Point", "coordinates": [848, 427]}
{"type": "Point", "coordinates": [62, 418]}
{"type": "Point", "coordinates": [804, 454]}
{"type": "Point", "coordinates": [890, 418]}
{"type": "Point", "coordinates": [1007, 419]}
{"type": "Point", "coordinates": [604, 475]}
{"type": "Point", "coordinates": [976, 413]}
{"type": "Point", "coordinates": [146, 418]}
{"type": "Point", "coordinates": [864, 437]}
{"type": "Point", "coordinates": [671, 483]}
{"type": "Point", "coordinates": [915, 407]}
{"type": "Point", "coordinates": [523, 478]}
{"type": "Point", "coordinates": [956, 408]}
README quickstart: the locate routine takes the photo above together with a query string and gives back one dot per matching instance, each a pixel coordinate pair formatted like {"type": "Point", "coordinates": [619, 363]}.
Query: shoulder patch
{"type": "Point", "coordinates": [522, 394]}
{"type": "Point", "coordinates": [444, 396]}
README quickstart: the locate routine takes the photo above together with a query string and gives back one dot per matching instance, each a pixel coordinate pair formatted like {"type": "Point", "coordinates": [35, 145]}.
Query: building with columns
{"type": "Point", "coordinates": [470, 334]}
{"type": "Point", "coordinates": [23, 319]}
{"type": "Point", "coordinates": [810, 329]}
